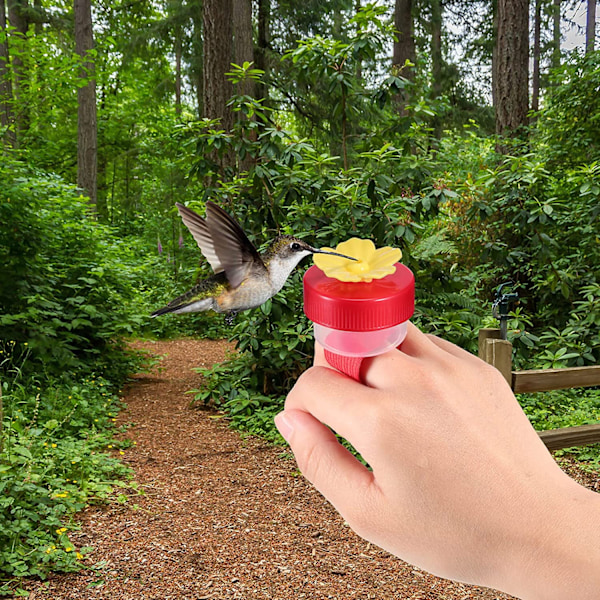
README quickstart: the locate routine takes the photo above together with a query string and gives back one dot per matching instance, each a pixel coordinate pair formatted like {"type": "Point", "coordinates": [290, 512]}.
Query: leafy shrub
{"type": "Point", "coordinates": [517, 218]}
{"type": "Point", "coordinates": [569, 125]}
{"type": "Point", "coordinates": [64, 291]}
{"type": "Point", "coordinates": [67, 297]}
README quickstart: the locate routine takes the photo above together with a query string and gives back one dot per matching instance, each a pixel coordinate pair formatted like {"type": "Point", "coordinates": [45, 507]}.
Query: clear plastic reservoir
{"type": "Point", "coordinates": [360, 343]}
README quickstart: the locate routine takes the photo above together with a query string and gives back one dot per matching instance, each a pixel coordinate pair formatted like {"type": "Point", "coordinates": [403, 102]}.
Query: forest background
{"type": "Point", "coordinates": [456, 130]}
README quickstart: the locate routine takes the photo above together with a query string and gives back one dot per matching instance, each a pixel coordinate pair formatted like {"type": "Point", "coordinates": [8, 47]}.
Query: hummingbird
{"type": "Point", "coordinates": [243, 278]}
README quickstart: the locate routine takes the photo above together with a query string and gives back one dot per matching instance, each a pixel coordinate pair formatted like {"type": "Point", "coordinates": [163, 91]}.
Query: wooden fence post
{"type": "Point", "coordinates": [496, 352]}
{"type": "Point", "coordinates": [486, 334]}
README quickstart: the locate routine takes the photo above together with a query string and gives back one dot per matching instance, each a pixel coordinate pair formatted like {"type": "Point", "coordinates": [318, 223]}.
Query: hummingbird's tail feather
{"type": "Point", "coordinates": [201, 297]}
{"type": "Point", "coordinates": [178, 307]}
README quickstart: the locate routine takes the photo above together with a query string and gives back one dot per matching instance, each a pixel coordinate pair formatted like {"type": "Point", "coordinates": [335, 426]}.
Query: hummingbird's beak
{"type": "Point", "coordinates": [317, 251]}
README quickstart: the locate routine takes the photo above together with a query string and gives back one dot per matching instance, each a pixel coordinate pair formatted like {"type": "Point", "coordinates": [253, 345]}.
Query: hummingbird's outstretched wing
{"type": "Point", "coordinates": [199, 230]}
{"type": "Point", "coordinates": [222, 241]}
{"type": "Point", "coordinates": [235, 251]}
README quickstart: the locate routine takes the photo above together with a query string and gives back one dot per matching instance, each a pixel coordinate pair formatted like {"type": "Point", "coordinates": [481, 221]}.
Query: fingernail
{"type": "Point", "coordinates": [284, 426]}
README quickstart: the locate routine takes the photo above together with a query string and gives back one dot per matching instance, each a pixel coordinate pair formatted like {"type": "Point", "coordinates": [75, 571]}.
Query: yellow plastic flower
{"type": "Point", "coordinates": [372, 263]}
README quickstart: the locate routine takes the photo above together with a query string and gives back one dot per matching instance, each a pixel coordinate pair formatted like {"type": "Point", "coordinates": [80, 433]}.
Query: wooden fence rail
{"type": "Point", "coordinates": [498, 353]}
{"type": "Point", "coordinates": [544, 380]}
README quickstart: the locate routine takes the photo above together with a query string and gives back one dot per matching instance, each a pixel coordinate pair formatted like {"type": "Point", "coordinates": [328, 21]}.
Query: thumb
{"type": "Point", "coordinates": [330, 467]}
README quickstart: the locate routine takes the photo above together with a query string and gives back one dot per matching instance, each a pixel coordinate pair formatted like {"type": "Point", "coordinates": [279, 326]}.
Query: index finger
{"type": "Point", "coordinates": [331, 397]}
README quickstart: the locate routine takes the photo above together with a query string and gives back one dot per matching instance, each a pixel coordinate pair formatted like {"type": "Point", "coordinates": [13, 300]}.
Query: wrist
{"type": "Point", "coordinates": [558, 554]}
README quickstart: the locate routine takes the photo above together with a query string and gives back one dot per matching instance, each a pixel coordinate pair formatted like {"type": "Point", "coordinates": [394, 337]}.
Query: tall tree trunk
{"type": "Point", "coordinates": [196, 58]}
{"type": "Point", "coordinates": [243, 46]}
{"type": "Point", "coordinates": [6, 114]}
{"type": "Point", "coordinates": [495, 53]}
{"type": "Point", "coordinates": [436, 47]}
{"type": "Point", "coordinates": [261, 55]}
{"type": "Point", "coordinates": [556, 34]}
{"type": "Point", "coordinates": [17, 17]}
{"type": "Point", "coordinates": [178, 34]}
{"type": "Point", "coordinates": [87, 129]}
{"type": "Point", "coordinates": [537, 34]}
{"type": "Point", "coordinates": [404, 46]}
{"type": "Point", "coordinates": [357, 7]}
{"type": "Point", "coordinates": [217, 15]}
{"type": "Point", "coordinates": [243, 51]}
{"type": "Point", "coordinates": [436, 58]}
{"type": "Point", "coordinates": [512, 86]}
{"type": "Point", "coordinates": [200, 94]}
{"type": "Point", "coordinates": [590, 31]}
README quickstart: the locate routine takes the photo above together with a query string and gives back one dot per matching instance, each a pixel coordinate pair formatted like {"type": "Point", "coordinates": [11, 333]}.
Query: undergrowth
{"type": "Point", "coordinates": [67, 301]}
{"type": "Point", "coordinates": [58, 454]}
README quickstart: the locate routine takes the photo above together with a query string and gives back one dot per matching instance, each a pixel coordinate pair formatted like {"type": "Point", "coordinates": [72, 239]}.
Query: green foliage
{"type": "Point", "coordinates": [64, 290]}
{"type": "Point", "coordinates": [325, 74]}
{"type": "Point", "coordinates": [569, 123]}
{"type": "Point", "coordinates": [67, 294]}
{"type": "Point", "coordinates": [132, 76]}
{"type": "Point", "coordinates": [53, 462]}
{"type": "Point", "coordinates": [47, 107]}
{"type": "Point", "coordinates": [519, 221]}
{"type": "Point", "coordinates": [565, 408]}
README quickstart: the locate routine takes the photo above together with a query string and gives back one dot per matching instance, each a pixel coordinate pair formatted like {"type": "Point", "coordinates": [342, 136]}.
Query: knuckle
{"type": "Point", "coordinates": [314, 465]}
{"type": "Point", "coordinates": [359, 514]}
{"type": "Point", "coordinates": [304, 384]}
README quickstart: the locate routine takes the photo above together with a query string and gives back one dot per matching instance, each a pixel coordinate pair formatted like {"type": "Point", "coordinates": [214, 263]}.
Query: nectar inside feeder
{"type": "Point", "coordinates": [360, 318]}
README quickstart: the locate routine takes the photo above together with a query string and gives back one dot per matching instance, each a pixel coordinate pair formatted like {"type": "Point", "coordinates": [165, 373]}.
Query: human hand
{"type": "Point", "coordinates": [461, 484]}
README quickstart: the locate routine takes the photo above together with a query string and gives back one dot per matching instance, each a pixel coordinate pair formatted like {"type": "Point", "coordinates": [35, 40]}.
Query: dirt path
{"type": "Point", "coordinates": [222, 517]}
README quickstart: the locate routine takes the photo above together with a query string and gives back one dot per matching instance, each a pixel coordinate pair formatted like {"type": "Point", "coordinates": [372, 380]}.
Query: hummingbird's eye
{"type": "Point", "coordinates": [296, 246]}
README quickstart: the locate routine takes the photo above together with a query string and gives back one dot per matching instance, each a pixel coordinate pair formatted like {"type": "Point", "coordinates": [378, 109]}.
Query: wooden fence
{"type": "Point", "coordinates": [498, 352]}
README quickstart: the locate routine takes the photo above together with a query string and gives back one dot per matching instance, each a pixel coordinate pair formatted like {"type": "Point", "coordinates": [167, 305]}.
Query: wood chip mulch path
{"type": "Point", "coordinates": [221, 516]}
